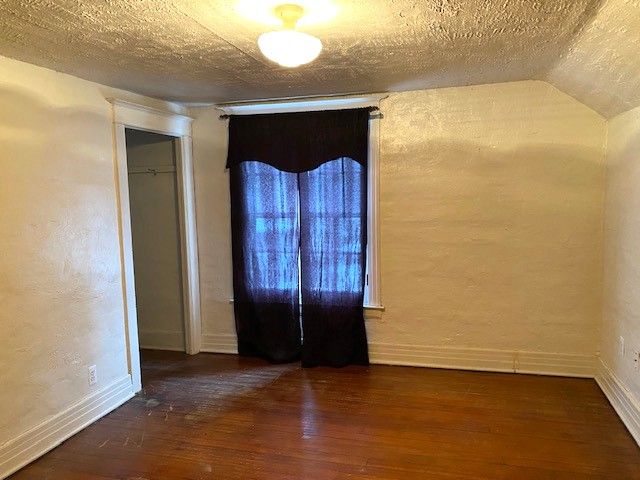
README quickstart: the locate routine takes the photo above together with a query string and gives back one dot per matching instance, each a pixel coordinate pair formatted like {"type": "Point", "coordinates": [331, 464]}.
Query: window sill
{"type": "Point", "coordinates": [379, 308]}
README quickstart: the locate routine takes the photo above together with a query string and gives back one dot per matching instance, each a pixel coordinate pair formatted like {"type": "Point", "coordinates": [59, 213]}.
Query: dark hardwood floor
{"type": "Point", "coordinates": [222, 417]}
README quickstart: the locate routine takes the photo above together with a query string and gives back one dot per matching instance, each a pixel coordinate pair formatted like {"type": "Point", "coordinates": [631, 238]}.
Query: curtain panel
{"type": "Point", "coordinates": [265, 238]}
{"type": "Point", "coordinates": [299, 235]}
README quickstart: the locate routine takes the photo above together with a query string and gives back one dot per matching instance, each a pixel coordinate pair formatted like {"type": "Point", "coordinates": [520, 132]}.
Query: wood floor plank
{"type": "Point", "coordinates": [224, 417]}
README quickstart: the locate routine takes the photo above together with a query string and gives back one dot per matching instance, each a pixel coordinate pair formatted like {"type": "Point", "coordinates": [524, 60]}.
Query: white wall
{"type": "Point", "coordinates": [491, 204]}
{"type": "Point", "coordinates": [156, 246]}
{"type": "Point", "coordinates": [60, 277]}
{"type": "Point", "coordinates": [491, 229]}
{"type": "Point", "coordinates": [621, 313]}
{"type": "Point", "coordinates": [213, 218]}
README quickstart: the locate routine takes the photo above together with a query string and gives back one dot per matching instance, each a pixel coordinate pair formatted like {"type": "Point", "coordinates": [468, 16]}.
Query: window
{"type": "Point", "coordinates": [372, 298]}
{"type": "Point", "coordinates": [271, 208]}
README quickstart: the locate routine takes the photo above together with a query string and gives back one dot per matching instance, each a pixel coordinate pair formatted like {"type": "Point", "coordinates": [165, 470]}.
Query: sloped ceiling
{"type": "Point", "coordinates": [203, 51]}
{"type": "Point", "coordinates": [601, 68]}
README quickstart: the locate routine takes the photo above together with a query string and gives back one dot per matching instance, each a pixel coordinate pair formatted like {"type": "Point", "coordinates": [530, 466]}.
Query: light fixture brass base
{"type": "Point", "coordinates": [290, 13]}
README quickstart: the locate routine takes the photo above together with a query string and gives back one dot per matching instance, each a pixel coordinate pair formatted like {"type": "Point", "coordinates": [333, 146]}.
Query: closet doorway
{"type": "Point", "coordinates": [173, 129]}
{"type": "Point", "coordinates": [155, 232]}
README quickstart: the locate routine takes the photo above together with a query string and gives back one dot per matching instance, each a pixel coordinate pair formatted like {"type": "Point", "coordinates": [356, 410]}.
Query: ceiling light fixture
{"type": "Point", "coordinates": [288, 47]}
{"type": "Point", "coordinates": [263, 11]}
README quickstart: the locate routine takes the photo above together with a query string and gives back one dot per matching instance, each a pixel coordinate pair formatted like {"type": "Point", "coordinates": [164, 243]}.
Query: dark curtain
{"type": "Point", "coordinates": [265, 230]}
{"type": "Point", "coordinates": [299, 187]}
{"type": "Point", "coordinates": [299, 142]}
{"type": "Point", "coordinates": [333, 228]}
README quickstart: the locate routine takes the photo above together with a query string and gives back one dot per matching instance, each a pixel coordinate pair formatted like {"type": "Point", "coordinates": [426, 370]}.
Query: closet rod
{"type": "Point", "coordinates": [154, 171]}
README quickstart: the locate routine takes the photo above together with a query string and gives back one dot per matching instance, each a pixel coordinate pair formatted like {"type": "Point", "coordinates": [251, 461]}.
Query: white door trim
{"type": "Point", "coordinates": [139, 117]}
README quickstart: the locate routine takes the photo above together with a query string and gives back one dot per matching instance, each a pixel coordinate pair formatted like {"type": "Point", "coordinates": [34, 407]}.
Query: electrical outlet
{"type": "Point", "coordinates": [93, 375]}
{"type": "Point", "coordinates": [621, 346]}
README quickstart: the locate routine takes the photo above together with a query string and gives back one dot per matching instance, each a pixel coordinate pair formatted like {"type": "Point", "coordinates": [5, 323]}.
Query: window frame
{"type": "Point", "coordinates": [372, 294]}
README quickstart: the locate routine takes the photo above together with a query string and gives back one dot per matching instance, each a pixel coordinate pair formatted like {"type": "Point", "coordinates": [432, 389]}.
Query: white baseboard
{"type": "Point", "coordinates": [440, 357]}
{"type": "Point", "coordinates": [34, 443]}
{"type": "Point", "coordinates": [558, 364]}
{"type": "Point", "coordinates": [540, 363]}
{"type": "Point", "coordinates": [161, 340]}
{"type": "Point", "coordinates": [224, 343]}
{"type": "Point", "coordinates": [623, 401]}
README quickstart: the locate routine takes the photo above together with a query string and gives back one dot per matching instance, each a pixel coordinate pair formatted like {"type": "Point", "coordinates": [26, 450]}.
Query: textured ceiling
{"type": "Point", "coordinates": [602, 66]}
{"type": "Point", "coordinates": [202, 51]}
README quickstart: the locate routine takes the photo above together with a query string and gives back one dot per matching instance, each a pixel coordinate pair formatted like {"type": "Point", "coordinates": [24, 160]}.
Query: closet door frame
{"type": "Point", "coordinates": [140, 117]}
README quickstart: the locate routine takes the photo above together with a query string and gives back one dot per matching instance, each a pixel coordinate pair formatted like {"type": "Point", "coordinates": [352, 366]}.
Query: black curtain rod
{"type": "Point", "coordinates": [374, 113]}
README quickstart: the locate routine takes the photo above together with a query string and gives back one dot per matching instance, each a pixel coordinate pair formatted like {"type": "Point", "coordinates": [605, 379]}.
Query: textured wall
{"type": "Point", "coordinates": [156, 247]}
{"type": "Point", "coordinates": [60, 285]}
{"type": "Point", "coordinates": [213, 218]}
{"type": "Point", "coordinates": [622, 239]}
{"type": "Point", "coordinates": [491, 201]}
{"type": "Point", "coordinates": [491, 213]}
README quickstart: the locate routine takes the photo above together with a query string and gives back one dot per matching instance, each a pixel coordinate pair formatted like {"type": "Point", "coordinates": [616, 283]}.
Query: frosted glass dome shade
{"type": "Point", "coordinates": [289, 48]}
